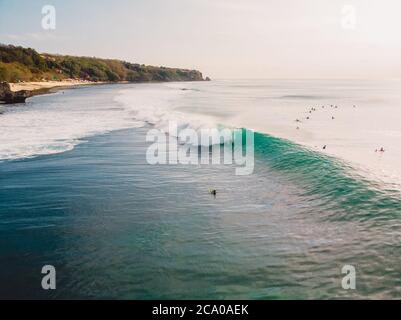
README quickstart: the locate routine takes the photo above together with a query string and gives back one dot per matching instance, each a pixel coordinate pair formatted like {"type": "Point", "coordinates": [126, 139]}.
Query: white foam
{"type": "Point", "coordinates": [49, 124]}
{"type": "Point", "coordinates": [57, 123]}
{"type": "Point", "coordinates": [160, 105]}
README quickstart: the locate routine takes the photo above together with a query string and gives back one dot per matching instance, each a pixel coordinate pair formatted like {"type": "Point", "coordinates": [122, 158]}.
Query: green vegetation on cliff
{"type": "Point", "coordinates": [25, 64]}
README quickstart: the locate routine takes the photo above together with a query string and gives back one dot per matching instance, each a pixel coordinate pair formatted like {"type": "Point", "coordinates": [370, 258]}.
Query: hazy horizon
{"type": "Point", "coordinates": [241, 39]}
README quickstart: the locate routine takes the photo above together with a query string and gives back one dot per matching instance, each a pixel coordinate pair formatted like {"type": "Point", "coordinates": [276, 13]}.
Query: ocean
{"type": "Point", "coordinates": [77, 192]}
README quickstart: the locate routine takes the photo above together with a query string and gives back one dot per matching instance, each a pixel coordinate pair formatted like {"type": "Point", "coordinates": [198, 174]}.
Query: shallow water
{"type": "Point", "coordinates": [117, 227]}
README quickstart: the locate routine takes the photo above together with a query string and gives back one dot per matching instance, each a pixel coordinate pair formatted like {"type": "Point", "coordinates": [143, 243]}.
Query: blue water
{"type": "Point", "coordinates": [117, 227]}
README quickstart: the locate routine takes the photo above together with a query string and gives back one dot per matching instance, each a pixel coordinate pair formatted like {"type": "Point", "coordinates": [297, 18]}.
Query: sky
{"type": "Point", "coordinates": [221, 38]}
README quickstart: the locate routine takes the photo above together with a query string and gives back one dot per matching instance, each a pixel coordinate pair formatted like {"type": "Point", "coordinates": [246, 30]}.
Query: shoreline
{"type": "Point", "coordinates": [43, 85]}
{"type": "Point", "coordinates": [15, 93]}
{"type": "Point", "coordinates": [36, 88]}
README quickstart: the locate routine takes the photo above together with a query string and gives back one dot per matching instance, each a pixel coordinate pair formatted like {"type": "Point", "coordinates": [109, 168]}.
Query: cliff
{"type": "Point", "coordinates": [25, 64]}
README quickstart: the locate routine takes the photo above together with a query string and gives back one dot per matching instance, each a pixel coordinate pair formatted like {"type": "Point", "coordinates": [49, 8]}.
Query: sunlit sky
{"type": "Point", "coordinates": [222, 38]}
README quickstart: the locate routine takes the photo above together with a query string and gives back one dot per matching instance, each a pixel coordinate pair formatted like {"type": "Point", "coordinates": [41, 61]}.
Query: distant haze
{"type": "Point", "coordinates": [223, 39]}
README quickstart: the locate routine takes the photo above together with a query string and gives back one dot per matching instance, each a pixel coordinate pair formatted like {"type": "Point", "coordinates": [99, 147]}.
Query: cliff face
{"type": "Point", "coordinates": [25, 64]}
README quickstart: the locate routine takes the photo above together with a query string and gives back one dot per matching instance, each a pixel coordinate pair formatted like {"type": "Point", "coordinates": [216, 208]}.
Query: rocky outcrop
{"type": "Point", "coordinates": [8, 96]}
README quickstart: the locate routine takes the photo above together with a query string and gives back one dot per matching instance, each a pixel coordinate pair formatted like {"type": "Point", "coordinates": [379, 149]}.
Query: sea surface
{"type": "Point", "coordinates": [77, 192]}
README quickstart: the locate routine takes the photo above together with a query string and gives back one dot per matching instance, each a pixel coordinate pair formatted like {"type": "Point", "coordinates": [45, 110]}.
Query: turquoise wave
{"type": "Point", "coordinates": [343, 193]}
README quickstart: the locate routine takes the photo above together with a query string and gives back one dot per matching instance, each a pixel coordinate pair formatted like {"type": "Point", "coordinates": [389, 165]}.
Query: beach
{"type": "Point", "coordinates": [40, 85]}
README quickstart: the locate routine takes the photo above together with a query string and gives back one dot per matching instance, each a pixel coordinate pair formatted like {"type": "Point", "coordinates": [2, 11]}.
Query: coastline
{"type": "Point", "coordinates": [14, 93]}
{"type": "Point", "coordinates": [36, 88]}
{"type": "Point", "coordinates": [45, 85]}
{"type": "Point", "coordinates": [56, 71]}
